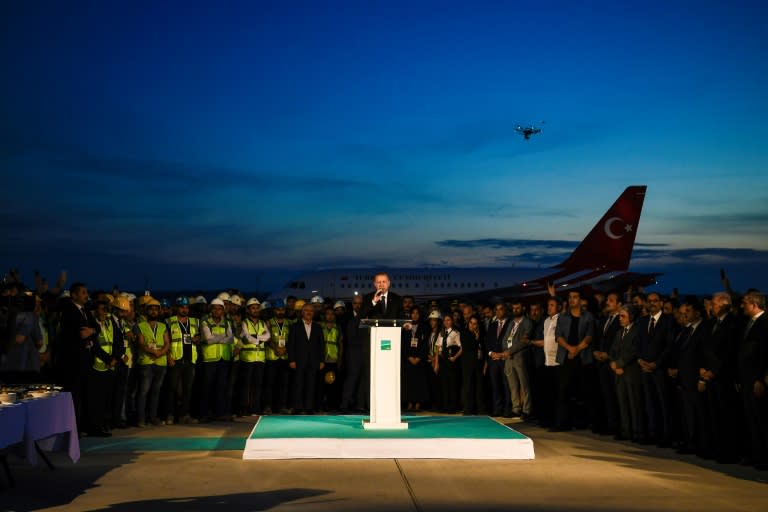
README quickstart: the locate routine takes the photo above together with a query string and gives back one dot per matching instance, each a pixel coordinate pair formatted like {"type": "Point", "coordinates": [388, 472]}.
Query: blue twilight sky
{"type": "Point", "coordinates": [217, 144]}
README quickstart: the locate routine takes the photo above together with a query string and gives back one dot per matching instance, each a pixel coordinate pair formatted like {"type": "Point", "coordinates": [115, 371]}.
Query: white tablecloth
{"type": "Point", "coordinates": [49, 422]}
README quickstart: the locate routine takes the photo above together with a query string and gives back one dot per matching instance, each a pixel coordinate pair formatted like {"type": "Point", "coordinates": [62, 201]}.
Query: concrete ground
{"type": "Point", "coordinates": [573, 471]}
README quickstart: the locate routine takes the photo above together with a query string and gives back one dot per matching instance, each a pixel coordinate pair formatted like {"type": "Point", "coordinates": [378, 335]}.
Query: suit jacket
{"type": "Point", "coordinates": [721, 347]}
{"type": "Point", "coordinates": [687, 355]}
{"type": "Point", "coordinates": [606, 336]}
{"type": "Point", "coordinates": [305, 352]}
{"type": "Point", "coordinates": [623, 349]}
{"type": "Point", "coordinates": [73, 350]}
{"type": "Point", "coordinates": [523, 330]}
{"type": "Point", "coordinates": [753, 352]}
{"type": "Point", "coordinates": [495, 343]}
{"type": "Point", "coordinates": [394, 307]}
{"type": "Point", "coordinates": [657, 348]}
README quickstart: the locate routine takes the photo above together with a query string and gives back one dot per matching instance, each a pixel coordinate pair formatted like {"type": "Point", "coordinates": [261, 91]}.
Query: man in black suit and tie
{"type": "Point", "coordinates": [305, 347]}
{"type": "Point", "coordinates": [382, 303]}
{"type": "Point", "coordinates": [686, 361]}
{"type": "Point", "coordinates": [717, 382]}
{"type": "Point", "coordinates": [496, 345]}
{"type": "Point", "coordinates": [656, 336]}
{"type": "Point", "coordinates": [752, 367]}
{"type": "Point", "coordinates": [78, 335]}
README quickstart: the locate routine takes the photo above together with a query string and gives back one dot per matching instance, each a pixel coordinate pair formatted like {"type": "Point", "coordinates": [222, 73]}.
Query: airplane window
{"type": "Point", "coordinates": [406, 285]}
{"type": "Point", "coordinates": [475, 285]}
{"type": "Point", "coordinates": [415, 285]}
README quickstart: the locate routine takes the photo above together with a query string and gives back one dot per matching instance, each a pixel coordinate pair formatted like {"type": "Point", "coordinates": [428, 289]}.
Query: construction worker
{"type": "Point", "coordinates": [217, 347]}
{"type": "Point", "coordinates": [154, 343]}
{"type": "Point", "coordinates": [276, 375]}
{"type": "Point", "coordinates": [106, 353]}
{"type": "Point", "coordinates": [185, 337]}
{"type": "Point", "coordinates": [121, 309]}
{"type": "Point", "coordinates": [330, 385]}
{"type": "Point", "coordinates": [318, 303]}
{"type": "Point", "coordinates": [254, 335]}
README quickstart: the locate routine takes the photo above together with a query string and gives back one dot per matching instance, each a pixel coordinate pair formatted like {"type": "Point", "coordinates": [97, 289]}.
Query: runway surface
{"type": "Point", "coordinates": [200, 467]}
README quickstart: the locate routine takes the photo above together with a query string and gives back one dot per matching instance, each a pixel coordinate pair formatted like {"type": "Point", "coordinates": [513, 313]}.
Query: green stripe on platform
{"type": "Point", "coordinates": [351, 427]}
{"type": "Point", "coordinates": [160, 444]}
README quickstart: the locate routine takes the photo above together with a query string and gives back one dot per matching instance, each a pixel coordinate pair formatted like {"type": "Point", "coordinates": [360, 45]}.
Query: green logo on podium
{"type": "Point", "coordinates": [386, 345]}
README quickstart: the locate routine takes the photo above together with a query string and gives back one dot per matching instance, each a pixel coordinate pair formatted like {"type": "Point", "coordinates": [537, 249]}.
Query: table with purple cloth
{"type": "Point", "coordinates": [13, 419]}
{"type": "Point", "coordinates": [46, 422]}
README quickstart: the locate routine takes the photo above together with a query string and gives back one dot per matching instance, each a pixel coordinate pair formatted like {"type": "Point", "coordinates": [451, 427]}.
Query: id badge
{"type": "Point", "coordinates": [281, 342]}
{"type": "Point", "coordinates": [186, 339]}
{"type": "Point", "coordinates": [414, 342]}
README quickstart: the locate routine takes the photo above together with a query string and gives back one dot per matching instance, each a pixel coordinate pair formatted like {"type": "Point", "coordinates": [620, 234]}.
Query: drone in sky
{"type": "Point", "coordinates": [527, 131]}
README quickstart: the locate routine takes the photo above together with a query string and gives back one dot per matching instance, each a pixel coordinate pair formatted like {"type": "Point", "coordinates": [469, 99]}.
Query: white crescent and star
{"type": "Point", "coordinates": [609, 233]}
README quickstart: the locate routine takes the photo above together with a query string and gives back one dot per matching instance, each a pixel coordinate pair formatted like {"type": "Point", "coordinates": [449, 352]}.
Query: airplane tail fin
{"type": "Point", "coordinates": [609, 245]}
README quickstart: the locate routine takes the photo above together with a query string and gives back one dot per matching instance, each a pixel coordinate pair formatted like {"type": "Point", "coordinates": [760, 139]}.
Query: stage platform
{"type": "Point", "coordinates": [343, 437]}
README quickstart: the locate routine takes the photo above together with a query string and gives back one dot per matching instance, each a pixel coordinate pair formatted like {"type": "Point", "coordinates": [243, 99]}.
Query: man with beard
{"type": "Point", "coordinates": [77, 335]}
{"type": "Point", "coordinates": [182, 357]}
{"type": "Point", "coordinates": [276, 376]}
{"type": "Point", "coordinates": [605, 334]}
{"type": "Point", "coordinates": [254, 337]}
{"type": "Point", "coordinates": [107, 351]}
{"type": "Point", "coordinates": [657, 333]}
{"type": "Point", "coordinates": [154, 343]}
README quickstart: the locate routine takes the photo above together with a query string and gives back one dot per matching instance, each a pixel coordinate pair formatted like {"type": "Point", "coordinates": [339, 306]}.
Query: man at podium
{"type": "Point", "coordinates": [382, 303]}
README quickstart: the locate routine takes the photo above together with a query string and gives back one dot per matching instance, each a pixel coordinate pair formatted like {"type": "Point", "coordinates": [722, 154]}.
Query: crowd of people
{"type": "Point", "coordinates": [677, 372]}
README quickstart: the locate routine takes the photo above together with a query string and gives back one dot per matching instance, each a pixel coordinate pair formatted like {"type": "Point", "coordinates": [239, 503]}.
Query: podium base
{"type": "Point", "coordinates": [369, 425]}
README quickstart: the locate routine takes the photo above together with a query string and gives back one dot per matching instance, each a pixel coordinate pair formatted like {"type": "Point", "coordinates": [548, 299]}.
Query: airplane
{"type": "Point", "coordinates": [527, 131]}
{"type": "Point", "coordinates": [600, 262]}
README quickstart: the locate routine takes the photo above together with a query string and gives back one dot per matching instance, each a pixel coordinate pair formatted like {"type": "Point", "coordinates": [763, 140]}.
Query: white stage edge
{"type": "Point", "coordinates": [387, 448]}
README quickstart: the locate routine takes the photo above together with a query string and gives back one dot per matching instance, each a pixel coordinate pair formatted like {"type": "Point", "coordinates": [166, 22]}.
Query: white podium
{"type": "Point", "coordinates": [385, 374]}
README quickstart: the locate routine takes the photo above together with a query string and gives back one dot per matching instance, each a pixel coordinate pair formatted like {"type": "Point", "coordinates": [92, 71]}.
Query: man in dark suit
{"type": "Point", "coordinates": [496, 346]}
{"type": "Point", "coordinates": [720, 403]}
{"type": "Point", "coordinates": [78, 335]}
{"type": "Point", "coordinates": [752, 367]}
{"type": "Point", "coordinates": [605, 334]}
{"type": "Point", "coordinates": [305, 347]}
{"type": "Point", "coordinates": [382, 303]}
{"type": "Point", "coordinates": [657, 333]}
{"type": "Point", "coordinates": [684, 365]}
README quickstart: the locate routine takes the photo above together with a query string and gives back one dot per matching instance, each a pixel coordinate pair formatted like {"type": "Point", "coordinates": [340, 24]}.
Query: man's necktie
{"type": "Point", "coordinates": [749, 326]}
{"type": "Point", "coordinates": [384, 303]}
{"type": "Point", "coordinates": [499, 328]}
{"type": "Point", "coordinates": [652, 326]}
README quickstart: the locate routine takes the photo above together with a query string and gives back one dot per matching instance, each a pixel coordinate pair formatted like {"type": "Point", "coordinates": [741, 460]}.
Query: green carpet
{"type": "Point", "coordinates": [161, 444]}
{"type": "Point", "coordinates": [351, 427]}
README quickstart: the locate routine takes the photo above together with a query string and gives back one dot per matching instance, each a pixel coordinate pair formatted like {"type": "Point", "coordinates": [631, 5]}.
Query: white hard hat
{"type": "Point", "coordinates": [236, 300]}
{"type": "Point", "coordinates": [217, 302]}
{"type": "Point", "coordinates": [200, 300]}
{"type": "Point", "coordinates": [434, 314]}
{"type": "Point", "coordinates": [339, 304]}
{"type": "Point", "coordinates": [65, 293]}
{"type": "Point", "coordinates": [265, 305]}
{"type": "Point", "coordinates": [252, 301]}
{"type": "Point", "coordinates": [224, 296]}
{"type": "Point", "coordinates": [316, 300]}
